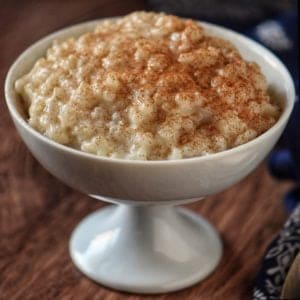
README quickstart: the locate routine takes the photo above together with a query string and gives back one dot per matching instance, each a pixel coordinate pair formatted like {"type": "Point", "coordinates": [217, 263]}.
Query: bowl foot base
{"type": "Point", "coordinates": [145, 249]}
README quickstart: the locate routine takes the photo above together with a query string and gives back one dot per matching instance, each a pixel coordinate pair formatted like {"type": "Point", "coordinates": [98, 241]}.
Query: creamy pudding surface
{"type": "Point", "coordinates": [147, 86]}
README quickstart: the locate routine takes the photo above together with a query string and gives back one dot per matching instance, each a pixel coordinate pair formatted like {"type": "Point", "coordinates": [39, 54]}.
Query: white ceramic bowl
{"type": "Point", "coordinates": [141, 248]}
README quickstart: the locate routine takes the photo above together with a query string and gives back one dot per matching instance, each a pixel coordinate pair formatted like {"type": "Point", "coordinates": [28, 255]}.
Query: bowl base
{"type": "Point", "coordinates": [145, 249]}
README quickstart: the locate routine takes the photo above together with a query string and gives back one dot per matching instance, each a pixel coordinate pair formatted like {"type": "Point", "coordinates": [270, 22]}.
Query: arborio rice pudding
{"type": "Point", "coordinates": [147, 86]}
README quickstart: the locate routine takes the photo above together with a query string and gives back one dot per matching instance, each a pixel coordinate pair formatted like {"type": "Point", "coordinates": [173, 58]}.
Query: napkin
{"type": "Point", "coordinates": [277, 260]}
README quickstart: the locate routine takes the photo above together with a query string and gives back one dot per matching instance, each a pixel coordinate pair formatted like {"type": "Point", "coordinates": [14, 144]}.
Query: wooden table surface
{"type": "Point", "coordinates": [38, 213]}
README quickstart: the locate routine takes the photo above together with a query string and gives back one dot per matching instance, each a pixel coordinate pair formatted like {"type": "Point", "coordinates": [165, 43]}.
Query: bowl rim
{"type": "Point", "coordinates": [289, 100]}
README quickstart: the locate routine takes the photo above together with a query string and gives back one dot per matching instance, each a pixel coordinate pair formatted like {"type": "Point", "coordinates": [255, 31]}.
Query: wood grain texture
{"type": "Point", "coordinates": [290, 289]}
{"type": "Point", "coordinates": [38, 213]}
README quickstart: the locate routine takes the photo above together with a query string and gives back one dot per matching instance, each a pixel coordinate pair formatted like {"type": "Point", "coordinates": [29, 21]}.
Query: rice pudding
{"type": "Point", "coordinates": [147, 86]}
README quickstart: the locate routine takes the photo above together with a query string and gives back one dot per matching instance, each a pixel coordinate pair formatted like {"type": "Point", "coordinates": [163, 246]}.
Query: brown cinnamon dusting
{"type": "Point", "coordinates": [145, 86]}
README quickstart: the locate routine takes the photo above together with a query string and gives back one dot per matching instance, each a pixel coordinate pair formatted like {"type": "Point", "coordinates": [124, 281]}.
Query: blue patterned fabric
{"type": "Point", "coordinates": [278, 259]}
{"type": "Point", "coordinates": [280, 35]}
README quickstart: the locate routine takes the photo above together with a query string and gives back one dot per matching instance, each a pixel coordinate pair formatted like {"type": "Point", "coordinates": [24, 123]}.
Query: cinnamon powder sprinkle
{"type": "Point", "coordinates": [147, 86]}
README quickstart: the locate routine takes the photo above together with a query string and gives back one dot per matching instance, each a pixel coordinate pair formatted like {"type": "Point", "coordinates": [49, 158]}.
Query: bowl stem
{"type": "Point", "coordinates": [145, 249]}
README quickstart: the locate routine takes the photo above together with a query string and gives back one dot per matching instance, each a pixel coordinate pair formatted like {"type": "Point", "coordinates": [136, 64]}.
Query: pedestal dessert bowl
{"type": "Point", "coordinates": [143, 243]}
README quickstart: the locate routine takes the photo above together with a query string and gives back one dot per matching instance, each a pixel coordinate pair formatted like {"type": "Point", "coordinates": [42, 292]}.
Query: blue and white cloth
{"type": "Point", "coordinates": [278, 259]}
